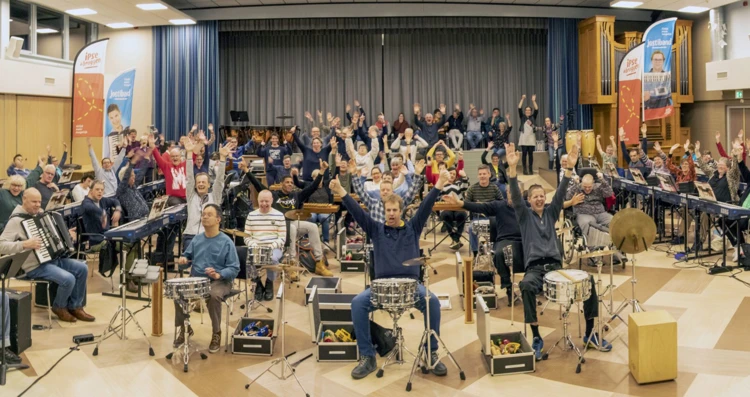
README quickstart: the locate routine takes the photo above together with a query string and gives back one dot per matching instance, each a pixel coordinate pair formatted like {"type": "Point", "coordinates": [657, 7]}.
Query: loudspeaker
{"type": "Point", "coordinates": [20, 320]}
{"type": "Point", "coordinates": [14, 48]}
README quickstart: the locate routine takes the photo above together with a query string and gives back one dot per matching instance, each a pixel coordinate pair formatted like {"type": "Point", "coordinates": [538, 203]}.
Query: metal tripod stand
{"type": "Point", "coordinates": [187, 348]}
{"type": "Point", "coordinates": [123, 314]}
{"type": "Point", "coordinates": [283, 361]}
{"type": "Point", "coordinates": [424, 354]}
{"type": "Point", "coordinates": [566, 338]}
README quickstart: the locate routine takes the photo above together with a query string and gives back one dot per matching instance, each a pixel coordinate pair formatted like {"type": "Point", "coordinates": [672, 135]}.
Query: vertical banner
{"type": "Point", "coordinates": [629, 94]}
{"type": "Point", "coordinates": [118, 109]}
{"type": "Point", "coordinates": [88, 90]}
{"type": "Point", "coordinates": [657, 76]}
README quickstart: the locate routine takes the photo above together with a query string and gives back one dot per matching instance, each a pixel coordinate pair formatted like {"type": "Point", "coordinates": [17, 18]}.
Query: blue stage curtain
{"type": "Point", "coordinates": [186, 78]}
{"type": "Point", "coordinates": [562, 73]}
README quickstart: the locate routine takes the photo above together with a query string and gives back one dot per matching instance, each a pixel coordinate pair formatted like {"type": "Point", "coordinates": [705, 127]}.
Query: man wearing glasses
{"type": "Point", "coordinates": [41, 179]}
{"type": "Point", "coordinates": [657, 92]}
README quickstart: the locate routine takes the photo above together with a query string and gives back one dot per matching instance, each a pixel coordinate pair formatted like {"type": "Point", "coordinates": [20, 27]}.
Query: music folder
{"type": "Point", "coordinates": [157, 208]}
{"type": "Point", "coordinates": [705, 191]}
{"type": "Point", "coordinates": [66, 176]}
{"type": "Point", "coordinates": [57, 200]}
{"type": "Point", "coordinates": [10, 265]}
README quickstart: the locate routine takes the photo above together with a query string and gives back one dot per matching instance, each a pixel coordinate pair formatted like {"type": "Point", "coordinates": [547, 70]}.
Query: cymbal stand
{"type": "Point", "coordinates": [283, 360]}
{"type": "Point", "coordinates": [424, 354]}
{"type": "Point", "coordinates": [633, 302]}
{"type": "Point", "coordinates": [187, 348]}
{"type": "Point", "coordinates": [122, 313]}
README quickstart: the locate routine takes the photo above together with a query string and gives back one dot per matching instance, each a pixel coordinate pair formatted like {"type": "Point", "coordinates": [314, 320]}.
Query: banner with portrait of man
{"type": "Point", "coordinates": [657, 73]}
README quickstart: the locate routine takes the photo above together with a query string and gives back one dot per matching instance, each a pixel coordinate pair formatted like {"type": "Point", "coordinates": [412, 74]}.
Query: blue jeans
{"type": "Point", "coordinates": [275, 257]}
{"type": "Point", "coordinates": [325, 221]}
{"type": "Point", "coordinates": [500, 151]}
{"type": "Point", "coordinates": [503, 189]}
{"type": "Point", "coordinates": [69, 275]}
{"type": "Point", "coordinates": [474, 138]}
{"type": "Point", "coordinates": [552, 157]}
{"type": "Point", "coordinates": [6, 320]}
{"type": "Point", "coordinates": [361, 309]}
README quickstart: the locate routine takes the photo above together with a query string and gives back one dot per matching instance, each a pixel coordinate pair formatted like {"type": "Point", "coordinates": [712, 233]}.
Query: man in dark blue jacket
{"type": "Point", "coordinates": [394, 242]}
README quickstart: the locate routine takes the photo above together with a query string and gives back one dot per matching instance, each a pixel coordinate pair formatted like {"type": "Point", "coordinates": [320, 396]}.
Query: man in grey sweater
{"type": "Point", "coordinates": [106, 171]}
{"type": "Point", "coordinates": [540, 250]}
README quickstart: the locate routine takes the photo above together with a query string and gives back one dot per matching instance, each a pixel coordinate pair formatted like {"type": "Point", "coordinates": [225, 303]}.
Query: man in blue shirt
{"type": "Point", "coordinates": [213, 255]}
{"type": "Point", "coordinates": [394, 242]}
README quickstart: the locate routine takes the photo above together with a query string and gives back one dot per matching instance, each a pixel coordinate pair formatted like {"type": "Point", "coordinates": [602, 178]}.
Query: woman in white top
{"type": "Point", "coordinates": [407, 144]}
{"type": "Point", "coordinates": [377, 177]}
{"type": "Point", "coordinates": [364, 159]}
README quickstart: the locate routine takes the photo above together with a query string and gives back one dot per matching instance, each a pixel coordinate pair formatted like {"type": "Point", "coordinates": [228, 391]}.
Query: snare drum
{"type": "Point", "coordinates": [393, 293]}
{"type": "Point", "coordinates": [481, 226]}
{"type": "Point", "coordinates": [560, 289]}
{"type": "Point", "coordinates": [187, 288]}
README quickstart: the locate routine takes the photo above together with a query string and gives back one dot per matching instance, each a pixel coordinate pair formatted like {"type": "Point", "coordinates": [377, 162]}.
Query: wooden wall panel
{"type": "Point", "coordinates": [42, 121]}
{"type": "Point", "coordinates": [7, 132]}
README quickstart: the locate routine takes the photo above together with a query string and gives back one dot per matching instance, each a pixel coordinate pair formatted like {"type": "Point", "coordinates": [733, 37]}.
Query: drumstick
{"type": "Point", "coordinates": [566, 275]}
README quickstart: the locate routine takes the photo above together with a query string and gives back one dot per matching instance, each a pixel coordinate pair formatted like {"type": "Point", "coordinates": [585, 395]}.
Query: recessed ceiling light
{"type": "Point", "coordinates": [119, 25]}
{"type": "Point", "coordinates": [151, 6]}
{"type": "Point", "coordinates": [81, 11]}
{"type": "Point", "coordinates": [46, 31]}
{"type": "Point", "coordinates": [182, 22]}
{"type": "Point", "coordinates": [693, 9]}
{"type": "Point", "coordinates": [625, 4]}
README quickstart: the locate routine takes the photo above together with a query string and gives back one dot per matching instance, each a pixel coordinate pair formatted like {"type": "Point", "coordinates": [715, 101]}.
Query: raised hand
{"type": "Point", "coordinates": [336, 187]}
{"type": "Point", "coordinates": [462, 174]}
{"type": "Point", "coordinates": [644, 129]}
{"type": "Point", "coordinates": [65, 147]}
{"type": "Point", "coordinates": [294, 171]}
{"type": "Point", "coordinates": [293, 130]}
{"type": "Point", "coordinates": [511, 155]}
{"type": "Point", "coordinates": [577, 198]}
{"type": "Point", "coordinates": [686, 146]}
{"type": "Point", "coordinates": [460, 155]}
{"type": "Point", "coordinates": [697, 146]}
{"type": "Point", "coordinates": [490, 145]}
{"type": "Point", "coordinates": [600, 176]}
{"type": "Point", "coordinates": [334, 142]}
{"type": "Point", "coordinates": [456, 107]}
{"type": "Point", "coordinates": [225, 150]}
{"type": "Point", "coordinates": [442, 108]}
{"type": "Point", "coordinates": [211, 127]}
{"type": "Point", "coordinates": [356, 102]}
{"type": "Point", "coordinates": [741, 135]}
{"type": "Point", "coordinates": [481, 112]}
{"type": "Point", "coordinates": [308, 115]}
{"type": "Point", "coordinates": [42, 161]}
{"type": "Point", "coordinates": [49, 149]}
{"type": "Point", "coordinates": [88, 142]}
{"type": "Point", "coordinates": [573, 156]}
{"type": "Point", "coordinates": [151, 141]}
{"type": "Point", "coordinates": [323, 165]}
{"type": "Point", "coordinates": [674, 147]}
{"type": "Point", "coordinates": [718, 136]}
{"type": "Point", "coordinates": [417, 108]}
{"type": "Point", "coordinates": [189, 146]}
{"type": "Point", "coordinates": [621, 132]}
{"type": "Point", "coordinates": [373, 133]}
{"type": "Point", "coordinates": [320, 114]}
{"type": "Point", "coordinates": [329, 117]}
{"type": "Point", "coordinates": [194, 128]}
{"type": "Point", "coordinates": [555, 136]}
{"type": "Point", "coordinates": [419, 167]}
{"type": "Point", "coordinates": [451, 199]}
{"type": "Point", "coordinates": [533, 98]}
{"type": "Point", "coordinates": [523, 96]}
{"type": "Point", "coordinates": [507, 116]}
{"type": "Point", "coordinates": [657, 146]}
{"type": "Point", "coordinates": [348, 108]}
{"type": "Point", "coordinates": [471, 106]}
{"type": "Point", "coordinates": [352, 167]}
{"type": "Point", "coordinates": [444, 177]}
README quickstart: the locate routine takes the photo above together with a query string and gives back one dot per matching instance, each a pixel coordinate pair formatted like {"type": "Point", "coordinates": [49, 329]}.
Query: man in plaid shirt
{"type": "Point", "coordinates": [375, 204]}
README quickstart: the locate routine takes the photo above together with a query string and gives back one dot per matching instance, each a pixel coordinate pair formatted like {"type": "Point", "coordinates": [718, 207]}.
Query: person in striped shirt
{"type": "Point", "coordinates": [481, 192]}
{"type": "Point", "coordinates": [373, 203]}
{"type": "Point", "coordinates": [454, 221]}
{"type": "Point", "coordinates": [266, 226]}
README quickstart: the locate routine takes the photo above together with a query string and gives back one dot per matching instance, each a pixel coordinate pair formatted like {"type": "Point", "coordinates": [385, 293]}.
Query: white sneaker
{"type": "Point", "coordinates": [735, 255]}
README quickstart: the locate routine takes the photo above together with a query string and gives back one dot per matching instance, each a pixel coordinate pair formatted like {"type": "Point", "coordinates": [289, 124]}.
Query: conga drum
{"type": "Point", "coordinates": [588, 143]}
{"type": "Point", "coordinates": [571, 138]}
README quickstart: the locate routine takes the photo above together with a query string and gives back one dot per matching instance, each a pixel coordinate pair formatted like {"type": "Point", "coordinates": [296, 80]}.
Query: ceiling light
{"type": "Point", "coordinates": [625, 4]}
{"type": "Point", "coordinates": [119, 25]}
{"type": "Point", "coordinates": [46, 31]}
{"type": "Point", "coordinates": [151, 6]}
{"type": "Point", "coordinates": [182, 22]}
{"type": "Point", "coordinates": [693, 9]}
{"type": "Point", "coordinates": [81, 11]}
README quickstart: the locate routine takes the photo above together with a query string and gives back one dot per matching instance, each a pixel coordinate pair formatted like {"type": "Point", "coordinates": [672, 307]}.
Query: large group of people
{"type": "Point", "coordinates": [386, 165]}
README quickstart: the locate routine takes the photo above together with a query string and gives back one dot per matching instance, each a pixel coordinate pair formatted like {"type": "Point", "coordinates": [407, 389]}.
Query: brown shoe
{"type": "Point", "coordinates": [180, 339]}
{"type": "Point", "coordinates": [321, 269]}
{"type": "Point", "coordinates": [82, 315]}
{"type": "Point", "coordinates": [131, 287]}
{"type": "Point", "coordinates": [63, 314]}
{"type": "Point", "coordinates": [215, 344]}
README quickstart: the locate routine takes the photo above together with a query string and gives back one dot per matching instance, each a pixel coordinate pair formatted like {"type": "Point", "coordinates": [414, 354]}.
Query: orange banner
{"type": "Point", "coordinates": [88, 90]}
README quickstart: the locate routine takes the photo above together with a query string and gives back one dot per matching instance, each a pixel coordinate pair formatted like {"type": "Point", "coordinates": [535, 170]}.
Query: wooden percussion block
{"type": "Point", "coordinates": [652, 345]}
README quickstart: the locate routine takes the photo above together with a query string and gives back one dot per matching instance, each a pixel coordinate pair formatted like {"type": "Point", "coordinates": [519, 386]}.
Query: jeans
{"type": "Point", "coordinates": [454, 221]}
{"type": "Point", "coordinates": [69, 275]}
{"type": "Point", "coordinates": [473, 238]}
{"type": "Point", "coordinates": [325, 221]}
{"type": "Point", "coordinates": [500, 151]}
{"type": "Point", "coordinates": [503, 189]}
{"type": "Point", "coordinates": [457, 137]}
{"type": "Point", "coordinates": [271, 275]}
{"type": "Point", "coordinates": [361, 309]}
{"type": "Point", "coordinates": [6, 320]}
{"type": "Point", "coordinates": [474, 138]}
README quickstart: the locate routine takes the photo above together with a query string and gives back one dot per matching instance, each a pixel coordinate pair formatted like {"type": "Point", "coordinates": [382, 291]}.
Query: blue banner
{"type": "Point", "coordinates": [657, 73]}
{"type": "Point", "coordinates": [118, 107]}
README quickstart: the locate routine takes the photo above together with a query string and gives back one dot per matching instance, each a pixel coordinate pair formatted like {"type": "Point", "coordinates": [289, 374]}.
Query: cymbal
{"type": "Point", "coordinates": [302, 214]}
{"type": "Point", "coordinates": [281, 267]}
{"type": "Point", "coordinates": [416, 261]}
{"type": "Point", "coordinates": [284, 117]}
{"type": "Point", "coordinates": [632, 231]}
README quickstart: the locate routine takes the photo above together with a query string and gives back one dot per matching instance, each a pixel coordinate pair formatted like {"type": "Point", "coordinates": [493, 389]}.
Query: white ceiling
{"type": "Point", "coordinates": [113, 11]}
{"type": "Point", "coordinates": [667, 5]}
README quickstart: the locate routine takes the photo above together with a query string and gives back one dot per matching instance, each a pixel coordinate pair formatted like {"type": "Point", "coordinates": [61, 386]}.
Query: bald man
{"type": "Point", "coordinates": [591, 211]}
{"type": "Point", "coordinates": [106, 171]}
{"type": "Point", "coordinates": [266, 227]}
{"type": "Point", "coordinates": [69, 275]}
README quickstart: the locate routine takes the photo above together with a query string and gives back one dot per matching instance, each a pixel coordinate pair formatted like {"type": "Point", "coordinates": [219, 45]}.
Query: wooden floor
{"type": "Point", "coordinates": [713, 314]}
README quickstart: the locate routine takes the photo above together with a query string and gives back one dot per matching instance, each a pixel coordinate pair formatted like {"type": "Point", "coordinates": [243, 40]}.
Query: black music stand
{"type": "Point", "coordinates": [9, 267]}
{"type": "Point", "coordinates": [239, 116]}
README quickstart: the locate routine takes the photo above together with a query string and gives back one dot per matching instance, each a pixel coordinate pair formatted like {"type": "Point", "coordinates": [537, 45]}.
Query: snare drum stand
{"type": "Point", "coordinates": [566, 338]}
{"type": "Point", "coordinates": [424, 354]}
{"type": "Point", "coordinates": [122, 313]}
{"type": "Point", "coordinates": [187, 348]}
{"type": "Point", "coordinates": [396, 356]}
{"type": "Point", "coordinates": [283, 359]}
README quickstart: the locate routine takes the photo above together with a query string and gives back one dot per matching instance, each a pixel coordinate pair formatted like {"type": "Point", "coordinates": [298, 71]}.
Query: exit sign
{"type": "Point", "coordinates": [737, 94]}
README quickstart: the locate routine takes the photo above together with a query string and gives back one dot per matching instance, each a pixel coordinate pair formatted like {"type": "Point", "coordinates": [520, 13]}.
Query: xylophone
{"type": "Point", "coordinates": [321, 208]}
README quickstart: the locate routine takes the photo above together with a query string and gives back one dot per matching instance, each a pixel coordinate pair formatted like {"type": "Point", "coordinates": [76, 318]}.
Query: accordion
{"type": "Point", "coordinates": [51, 229]}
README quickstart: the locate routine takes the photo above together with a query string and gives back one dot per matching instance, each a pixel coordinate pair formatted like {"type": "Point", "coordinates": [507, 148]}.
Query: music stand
{"type": "Point", "coordinates": [9, 267]}
{"type": "Point", "coordinates": [239, 116]}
